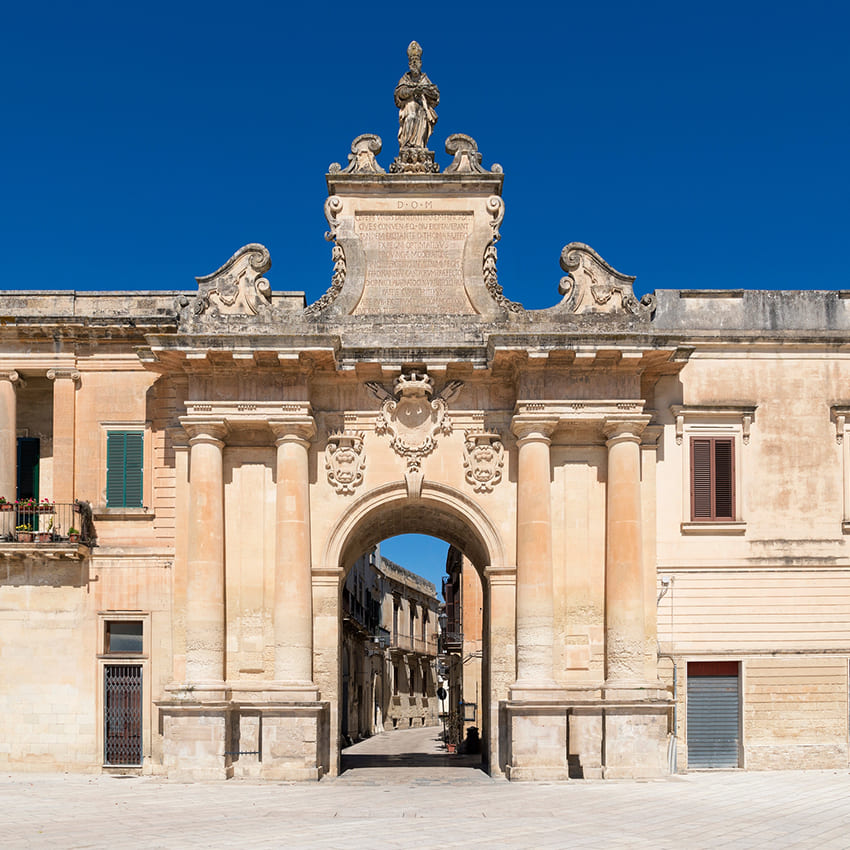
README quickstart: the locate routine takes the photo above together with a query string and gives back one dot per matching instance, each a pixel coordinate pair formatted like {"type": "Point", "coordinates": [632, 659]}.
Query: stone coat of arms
{"type": "Point", "coordinates": [413, 416]}
{"type": "Point", "coordinates": [345, 461]}
{"type": "Point", "coordinates": [483, 459]}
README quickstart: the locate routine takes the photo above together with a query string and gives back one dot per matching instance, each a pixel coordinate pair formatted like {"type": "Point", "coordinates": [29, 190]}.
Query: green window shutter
{"type": "Point", "coordinates": [124, 462]}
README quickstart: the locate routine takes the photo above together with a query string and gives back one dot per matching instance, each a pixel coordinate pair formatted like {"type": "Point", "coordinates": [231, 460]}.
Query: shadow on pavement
{"type": "Point", "coordinates": [352, 762]}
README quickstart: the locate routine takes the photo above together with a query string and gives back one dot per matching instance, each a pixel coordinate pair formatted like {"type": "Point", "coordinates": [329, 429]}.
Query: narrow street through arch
{"type": "Point", "coordinates": [404, 755]}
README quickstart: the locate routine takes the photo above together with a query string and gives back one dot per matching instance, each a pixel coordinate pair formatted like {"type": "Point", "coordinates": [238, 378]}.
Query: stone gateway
{"type": "Point", "coordinates": [654, 492]}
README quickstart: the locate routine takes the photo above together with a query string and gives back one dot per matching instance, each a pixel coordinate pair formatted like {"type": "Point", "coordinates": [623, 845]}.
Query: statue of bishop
{"type": "Point", "coordinates": [416, 98]}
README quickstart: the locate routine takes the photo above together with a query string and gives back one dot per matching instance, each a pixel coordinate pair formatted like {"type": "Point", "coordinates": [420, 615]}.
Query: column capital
{"type": "Point", "coordinates": [59, 373]}
{"type": "Point", "coordinates": [10, 375]}
{"type": "Point", "coordinates": [205, 430]}
{"type": "Point", "coordinates": [301, 429]}
{"type": "Point", "coordinates": [625, 429]}
{"type": "Point", "coordinates": [533, 427]}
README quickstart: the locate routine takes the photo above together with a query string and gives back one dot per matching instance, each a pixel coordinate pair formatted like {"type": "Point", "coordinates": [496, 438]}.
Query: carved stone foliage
{"type": "Point", "coordinates": [496, 208]}
{"type": "Point", "coordinates": [345, 461]}
{"type": "Point", "coordinates": [592, 286]}
{"type": "Point", "coordinates": [361, 160]}
{"type": "Point", "coordinates": [333, 207]}
{"type": "Point", "coordinates": [483, 459]}
{"type": "Point", "coordinates": [238, 287]}
{"type": "Point", "coordinates": [413, 416]}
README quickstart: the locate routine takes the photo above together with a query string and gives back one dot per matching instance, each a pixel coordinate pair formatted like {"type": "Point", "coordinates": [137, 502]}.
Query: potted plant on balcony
{"type": "Point", "coordinates": [44, 535]}
{"type": "Point", "coordinates": [6, 505]}
{"type": "Point", "coordinates": [73, 535]}
{"type": "Point", "coordinates": [23, 533]}
{"type": "Point", "coordinates": [45, 506]}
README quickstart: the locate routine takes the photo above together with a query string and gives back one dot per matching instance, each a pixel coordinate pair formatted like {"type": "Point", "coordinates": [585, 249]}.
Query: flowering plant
{"type": "Point", "coordinates": [23, 527]}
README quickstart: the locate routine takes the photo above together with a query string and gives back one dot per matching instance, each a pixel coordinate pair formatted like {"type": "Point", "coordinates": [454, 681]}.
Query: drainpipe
{"type": "Point", "coordinates": [666, 582]}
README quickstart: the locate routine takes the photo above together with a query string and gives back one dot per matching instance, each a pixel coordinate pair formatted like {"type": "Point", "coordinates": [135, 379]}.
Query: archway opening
{"type": "Point", "coordinates": [414, 671]}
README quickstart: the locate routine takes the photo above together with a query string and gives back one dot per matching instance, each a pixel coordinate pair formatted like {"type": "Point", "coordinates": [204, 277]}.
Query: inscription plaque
{"type": "Point", "coordinates": [414, 262]}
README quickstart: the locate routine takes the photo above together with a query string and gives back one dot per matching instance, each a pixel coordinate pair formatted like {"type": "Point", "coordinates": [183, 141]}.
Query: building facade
{"type": "Point", "coordinates": [654, 492]}
{"type": "Point", "coordinates": [389, 649]}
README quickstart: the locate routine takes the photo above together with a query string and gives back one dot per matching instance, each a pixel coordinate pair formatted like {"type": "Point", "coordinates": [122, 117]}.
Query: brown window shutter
{"type": "Point", "coordinates": [724, 480]}
{"type": "Point", "coordinates": [712, 478]}
{"type": "Point", "coordinates": [700, 478]}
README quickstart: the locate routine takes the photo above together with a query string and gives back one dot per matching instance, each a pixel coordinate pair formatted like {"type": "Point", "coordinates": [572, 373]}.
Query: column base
{"type": "Point", "coordinates": [263, 730]}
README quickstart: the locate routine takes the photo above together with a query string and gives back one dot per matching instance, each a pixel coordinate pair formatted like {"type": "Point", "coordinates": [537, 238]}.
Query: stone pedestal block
{"type": "Point", "coordinates": [292, 741]}
{"type": "Point", "coordinates": [195, 742]}
{"type": "Point", "coordinates": [249, 732]}
{"type": "Point", "coordinates": [538, 741]}
{"type": "Point", "coordinates": [585, 743]}
{"type": "Point", "coordinates": [635, 741]}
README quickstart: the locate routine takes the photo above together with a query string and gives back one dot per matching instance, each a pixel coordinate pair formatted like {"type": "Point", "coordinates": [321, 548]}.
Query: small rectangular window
{"type": "Point", "coordinates": [124, 468]}
{"type": "Point", "coordinates": [712, 479]}
{"type": "Point", "coordinates": [123, 636]}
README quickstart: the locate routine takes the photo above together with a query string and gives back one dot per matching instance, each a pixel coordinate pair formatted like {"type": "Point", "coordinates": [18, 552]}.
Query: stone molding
{"type": "Point", "coordinates": [59, 374]}
{"type": "Point", "coordinates": [200, 430]}
{"type": "Point", "coordinates": [743, 413]}
{"type": "Point", "coordinates": [294, 429]}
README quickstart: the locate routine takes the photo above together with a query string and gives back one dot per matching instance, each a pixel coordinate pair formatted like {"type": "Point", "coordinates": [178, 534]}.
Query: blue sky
{"type": "Point", "coordinates": [691, 144]}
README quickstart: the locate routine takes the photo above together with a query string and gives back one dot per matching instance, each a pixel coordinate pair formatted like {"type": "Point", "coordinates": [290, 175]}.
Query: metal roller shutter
{"type": "Point", "coordinates": [712, 721]}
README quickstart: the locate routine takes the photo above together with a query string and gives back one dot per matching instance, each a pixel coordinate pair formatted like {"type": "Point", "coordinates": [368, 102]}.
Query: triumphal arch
{"type": "Point", "coordinates": [414, 396]}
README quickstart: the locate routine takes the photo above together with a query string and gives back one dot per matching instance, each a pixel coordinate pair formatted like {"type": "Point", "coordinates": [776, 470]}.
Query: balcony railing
{"type": "Point", "coordinates": [451, 641]}
{"type": "Point", "coordinates": [427, 646]}
{"type": "Point", "coordinates": [45, 522]}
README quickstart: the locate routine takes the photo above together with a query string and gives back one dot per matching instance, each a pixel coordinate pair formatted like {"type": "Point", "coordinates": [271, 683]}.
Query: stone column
{"type": "Point", "coordinates": [534, 608]}
{"type": "Point", "coordinates": [8, 436]}
{"type": "Point", "coordinates": [205, 622]}
{"type": "Point", "coordinates": [293, 607]}
{"type": "Point", "coordinates": [64, 419]}
{"type": "Point", "coordinates": [625, 631]}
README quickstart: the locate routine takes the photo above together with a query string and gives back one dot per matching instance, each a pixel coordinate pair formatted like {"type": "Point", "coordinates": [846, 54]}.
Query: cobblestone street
{"type": "Point", "coordinates": [396, 804]}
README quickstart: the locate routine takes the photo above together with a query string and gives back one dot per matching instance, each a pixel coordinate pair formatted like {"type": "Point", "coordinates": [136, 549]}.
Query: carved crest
{"type": "Point", "coordinates": [345, 460]}
{"type": "Point", "coordinates": [483, 459]}
{"type": "Point", "coordinates": [412, 417]}
{"type": "Point", "coordinates": [238, 288]}
{"type": "Point", "coordinates": [592, 286]}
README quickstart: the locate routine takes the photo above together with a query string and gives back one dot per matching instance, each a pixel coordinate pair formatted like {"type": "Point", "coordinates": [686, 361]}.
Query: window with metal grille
{"type": "Point", "coordinates": [124, 469]}
{"type": "Point", "coordinates": [712, 478]}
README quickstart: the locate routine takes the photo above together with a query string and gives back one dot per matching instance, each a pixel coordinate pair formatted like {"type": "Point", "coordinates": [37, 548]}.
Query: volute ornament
{"type": "Point", "coordinates": [333, 207]}
{"type": "Point", "coordinates": [345, 461]}
{"type": "Point", "coordinates": [238, 288]}
{"type": "Point", "coordinates": [483, 459]}
{"type": "Point", "coordinates": [413, 416]}
{"type": "Point", "coordinates": [593, 286]}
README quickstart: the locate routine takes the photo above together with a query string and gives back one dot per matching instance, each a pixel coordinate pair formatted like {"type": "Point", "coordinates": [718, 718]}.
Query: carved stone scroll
{"type": "Point", "coordinates": [592, 286]}
{"type": "Point", "coordinates": [467, 159]}
{"type": "Point", "coordinates": [362, 160]}
{"type": "Point", "coordinates": [333, 206]}
{"type": "Point", "coordinates": [238, 287]}
{"type": "Point", "coordinates": [483, 459]}
{"type": "Point", "coordinates": [496, 208]}
{"type": "Point", "coordinates": [411, 417]}
{"type": "Point", "coordinates": [345, 461]}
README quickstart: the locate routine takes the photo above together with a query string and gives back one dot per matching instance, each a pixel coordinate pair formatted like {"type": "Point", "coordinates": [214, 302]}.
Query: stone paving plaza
{"type": "Point", "coordinates": [381, 801]}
